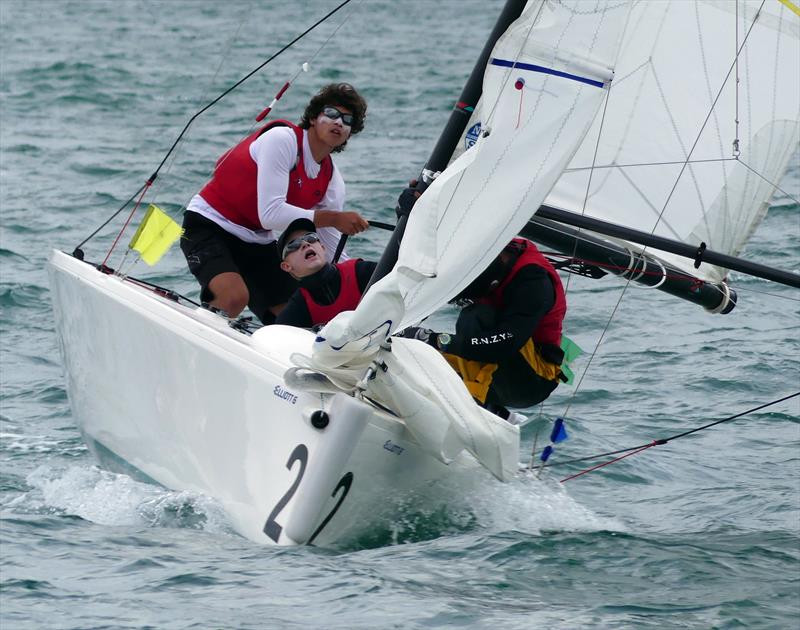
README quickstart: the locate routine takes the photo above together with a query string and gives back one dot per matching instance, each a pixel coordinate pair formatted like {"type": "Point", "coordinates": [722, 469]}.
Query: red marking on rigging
{"type": "Point", "coordinates": [280, 93]}
{"type": "Point", "coordinates": [639, 450]}
{"type": "Point", "coordinates": [128, 220]}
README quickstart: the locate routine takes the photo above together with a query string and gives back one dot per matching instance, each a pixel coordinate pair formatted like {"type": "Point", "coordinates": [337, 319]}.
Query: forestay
{"type": "Point", "coordinates": [677, 117]}
{"type": "Point", "coordinates": [547, 76]}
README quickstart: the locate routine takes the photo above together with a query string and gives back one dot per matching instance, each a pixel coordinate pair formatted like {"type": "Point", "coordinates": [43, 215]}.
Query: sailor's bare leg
{"type": "Point", "coordinates": [230, 293]}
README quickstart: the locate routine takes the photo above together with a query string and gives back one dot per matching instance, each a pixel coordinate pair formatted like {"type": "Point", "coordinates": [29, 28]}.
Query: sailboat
{"type": "Point", "coordinates": [610, 131]}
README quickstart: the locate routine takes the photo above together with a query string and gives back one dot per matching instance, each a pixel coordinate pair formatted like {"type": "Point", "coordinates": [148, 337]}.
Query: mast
{"type": "Point", "coordinates": [451, 134]}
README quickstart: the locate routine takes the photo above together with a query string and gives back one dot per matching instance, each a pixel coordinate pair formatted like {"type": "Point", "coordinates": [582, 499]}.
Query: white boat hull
{"type": "Point", "coordinates": [195, 405]}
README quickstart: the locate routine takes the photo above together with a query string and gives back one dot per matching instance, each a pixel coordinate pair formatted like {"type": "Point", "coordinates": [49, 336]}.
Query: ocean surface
{"type": "Point", "coordinates": [703, 532]}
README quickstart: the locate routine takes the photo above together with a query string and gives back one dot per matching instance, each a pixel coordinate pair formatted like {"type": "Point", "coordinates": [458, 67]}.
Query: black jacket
{"type": "Point", "coordinates": [324, 287]}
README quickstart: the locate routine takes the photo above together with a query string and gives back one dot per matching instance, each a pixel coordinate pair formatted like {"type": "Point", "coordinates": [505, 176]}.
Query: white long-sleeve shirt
{"type": "Point", "coordinates": [275, 154]}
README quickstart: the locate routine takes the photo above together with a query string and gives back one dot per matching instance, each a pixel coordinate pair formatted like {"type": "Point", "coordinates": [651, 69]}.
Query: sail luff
{"type": "Point", "coordinates": [451, 134]}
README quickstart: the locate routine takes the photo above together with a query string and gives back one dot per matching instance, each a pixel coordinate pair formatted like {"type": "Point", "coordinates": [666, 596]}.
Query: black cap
{"type": "Point", "coordinates": [294, 226]}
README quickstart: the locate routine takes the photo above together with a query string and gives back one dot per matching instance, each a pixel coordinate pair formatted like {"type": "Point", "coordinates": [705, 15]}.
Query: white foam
{"type": "Point", "coordinates": [115, 499]}
{"type": "Point", "coordinates": [534, 505]}
{"type": "Point", "coordinates": [525, 504]}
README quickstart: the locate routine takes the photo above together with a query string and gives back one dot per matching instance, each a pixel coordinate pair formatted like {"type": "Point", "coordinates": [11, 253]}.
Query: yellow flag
{"type": "Point", "coordinates": [155, 235]}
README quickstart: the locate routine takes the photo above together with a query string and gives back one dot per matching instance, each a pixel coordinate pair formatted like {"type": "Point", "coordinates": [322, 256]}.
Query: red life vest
{"type": "Point", "coordinates": [348, 298]}
{"type": "Point", "coordinates": [549, 328]}
{"type": "Point", "coordinates": [232, 190]}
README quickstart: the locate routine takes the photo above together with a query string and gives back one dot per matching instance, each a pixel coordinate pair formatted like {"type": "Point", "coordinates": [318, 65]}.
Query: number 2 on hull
{"type": "Point", "coordinates": [271, 527]}
{"type": "Point", "coordinates": [300, 454]}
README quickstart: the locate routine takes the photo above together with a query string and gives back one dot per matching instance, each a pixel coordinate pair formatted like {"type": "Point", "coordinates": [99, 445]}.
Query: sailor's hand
{"type": "Point", "coordinates": [345, 222]}
{"type": "Point", "coordinates": [408, 198]}
{"type": "Point", "coordinates": [350, 223]}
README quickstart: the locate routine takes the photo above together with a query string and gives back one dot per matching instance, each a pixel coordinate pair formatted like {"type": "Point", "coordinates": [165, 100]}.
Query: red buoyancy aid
{"type": "Point", "coordinates": [232, 191]}
{"type": "Point", "coordinates": [549, 328]}
{"type": "Point", "coordinates": [348, 298]}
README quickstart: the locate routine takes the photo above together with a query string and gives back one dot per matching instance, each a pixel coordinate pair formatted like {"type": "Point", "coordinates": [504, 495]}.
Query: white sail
{"type": "Point", "coordinates": [544, 83]}
{"type": "Point", "coordinates": [665, 162]}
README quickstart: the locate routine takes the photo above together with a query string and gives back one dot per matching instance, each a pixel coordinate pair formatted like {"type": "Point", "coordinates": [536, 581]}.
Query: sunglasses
{"type": "Point", "coordinates": [335, 114]}
{"type": "Point", "coordinates": [297, 243]}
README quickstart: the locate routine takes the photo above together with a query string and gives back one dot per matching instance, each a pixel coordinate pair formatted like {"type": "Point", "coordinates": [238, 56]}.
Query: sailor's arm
{"type": "Point", "coordinates": [275, 155]}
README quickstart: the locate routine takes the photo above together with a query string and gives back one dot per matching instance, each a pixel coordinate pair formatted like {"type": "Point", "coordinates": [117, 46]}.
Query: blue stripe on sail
{"type": "Point", "coordinates": [505, 63]}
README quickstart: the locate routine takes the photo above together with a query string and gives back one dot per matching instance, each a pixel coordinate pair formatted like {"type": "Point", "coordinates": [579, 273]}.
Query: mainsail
{"type": "Point", "coordinates": [544, 83]}
{"type": "Point", "coordinates": [700, 126]}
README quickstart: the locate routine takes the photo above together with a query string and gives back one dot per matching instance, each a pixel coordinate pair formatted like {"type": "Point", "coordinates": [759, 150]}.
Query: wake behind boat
{"type": "Point", "coordinates": [302, 437]}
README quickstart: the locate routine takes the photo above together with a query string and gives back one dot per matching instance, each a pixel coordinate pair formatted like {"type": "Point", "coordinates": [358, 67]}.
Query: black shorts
{"type": "Point", "coordinates": [210, 251]}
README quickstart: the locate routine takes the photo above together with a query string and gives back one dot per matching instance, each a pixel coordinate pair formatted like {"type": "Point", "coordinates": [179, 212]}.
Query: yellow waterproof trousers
{"type": "Point", "coordinates": [478, 376]}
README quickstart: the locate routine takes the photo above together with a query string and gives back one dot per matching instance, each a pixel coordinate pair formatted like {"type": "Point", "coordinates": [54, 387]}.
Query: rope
{"type": "Point", "coordinates": [623, 270]}
{"type": "Point", "coordinates": [210, 83]}
{"type": "Point", "coordinates": [576, 169]}
{"type": "Point", "coordinates": [633, 450]}
{"type": "Point", "coordinates": [128, 220]}
{"type": "Point", "coordinates": [575, 247]}
{"type": "Point", "coordinates": [153, 177]}
{"type": "Point", "coordinates": [77, 251]}
{"type": "Point", "coordinates": [685, 163]}
{"type": "Point", "coordinates": [774, 185]}
{"type": "Point", "coordinates": [588, 470]}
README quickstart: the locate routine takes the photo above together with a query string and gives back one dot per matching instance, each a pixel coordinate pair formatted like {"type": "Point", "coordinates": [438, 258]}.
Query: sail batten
{"type": "Point", "coordinates": [516, 65]}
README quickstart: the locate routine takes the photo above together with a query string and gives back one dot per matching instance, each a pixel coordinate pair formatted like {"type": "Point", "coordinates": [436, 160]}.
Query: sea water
{"type": "Point", "coordinates": [703, 532]}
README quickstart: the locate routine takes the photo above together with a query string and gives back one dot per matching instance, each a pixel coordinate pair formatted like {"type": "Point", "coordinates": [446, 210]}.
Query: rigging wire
{"type": "Point", "coordinates": [152, 178]}
{"type": "Point", "coordinates": [576, 169]}
{"type": "Point", "coordinates": [226, 53]}
{"type": "Point", "coordinates": [659, 442]}
{"type": "Point", "coordinates": [303, 68]}
{"type": "Point", "coordinates": [776, 186]}
{"type": "Point", "coordinates": [120, 268]}
{"type": "Point", "coordinates": [666, 203]}
{"type": "Point", "coordinates": [740, 289]}
{"type": "Point", "coordinates": [592, 355]}
{"type": "Point", "coordinates": [707, 118]}
{"type": "Point", "coordinates": [575, 247]}
{"type": "Point", "coordinates": [736, 151]}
